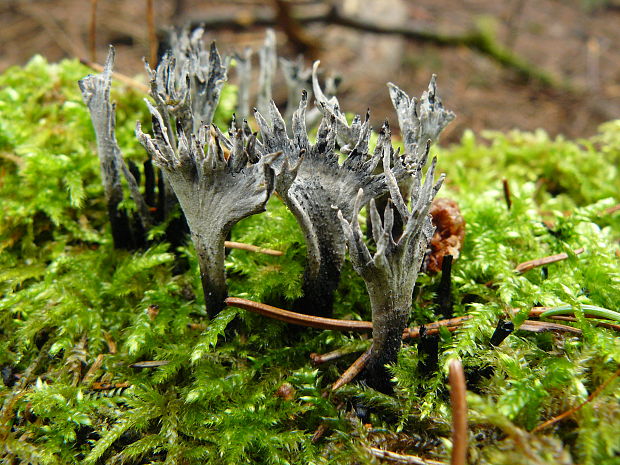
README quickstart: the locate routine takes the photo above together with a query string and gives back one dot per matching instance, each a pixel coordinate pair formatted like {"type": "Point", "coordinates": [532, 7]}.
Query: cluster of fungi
{"type": "Point", "coordinates": [220, 177]}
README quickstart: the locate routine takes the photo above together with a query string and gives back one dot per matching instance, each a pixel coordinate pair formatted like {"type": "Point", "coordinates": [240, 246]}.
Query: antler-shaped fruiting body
{"type": "Point", "coordinates": [96, 94]}
{"type": "Point", "coordinates": [313, 184]}
{"type": "Point", "coordinates": [420, 120]}
{"type": "Point", "coordinates": [189, 77]}
{"type": "Point", "coordinates": [390, 274]}
{"type": "Point", "coordinates": [218, 181]}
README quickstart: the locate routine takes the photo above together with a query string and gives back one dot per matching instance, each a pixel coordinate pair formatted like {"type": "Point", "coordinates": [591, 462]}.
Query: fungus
{"type": "Point", "coordinates": [314, 184]}
{"type": "Point", "coordinates": [390, 274]}
{"type": "Point", "coordinates": [420, 120]}
{"type": "Point", "coordinates": [127, 234]}
{"type": "Point", "coordinates": [218, 182]}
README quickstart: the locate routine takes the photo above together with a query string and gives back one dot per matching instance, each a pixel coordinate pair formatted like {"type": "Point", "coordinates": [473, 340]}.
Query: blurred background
{"type": "Point", "coordinates": [523, 64]}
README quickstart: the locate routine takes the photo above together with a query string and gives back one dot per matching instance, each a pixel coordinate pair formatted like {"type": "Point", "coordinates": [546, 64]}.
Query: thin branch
{"type": "Point", "coordinates": [526, 266]}
{"type": "Point", "coordinates": [476, 40]}
{"type": "Point", "coordinates": [252, 248]}
{"type": "Point", "coordinates": [458, 401]}
{"type": "Point", "coordinates": [303, 42]}
{"type": "Point", "coordinates": [153, 43]}
{"type": "Point", "coordinates": [401, 458]}
{"type": "Point", "coordinates": [92, 31]}
{"type": "Point", "coordinates": [63, 40]}
{"type": "Point", "coordinates": [569, 412]}
{"type": "Point", "coordinates": [354, 370]}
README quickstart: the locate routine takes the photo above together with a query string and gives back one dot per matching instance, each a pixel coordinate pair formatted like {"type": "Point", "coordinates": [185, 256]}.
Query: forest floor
{"type": "Point", "coordinates": [572, 41]}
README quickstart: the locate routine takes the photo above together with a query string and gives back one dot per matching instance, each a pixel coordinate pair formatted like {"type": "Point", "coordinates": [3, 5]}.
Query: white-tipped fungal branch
{"type": "Point", "coordinates": [96, 95]}
{"type": "Point", "coordinates": [314, 184]}
{"type": "Point", "coordinates": [391, 272]}
{"type": "Point", "coordinates": [218, 182]}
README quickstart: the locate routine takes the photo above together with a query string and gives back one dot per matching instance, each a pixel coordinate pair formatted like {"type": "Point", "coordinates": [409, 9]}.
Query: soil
{"type": "Point", "coordinates": [572, 40]}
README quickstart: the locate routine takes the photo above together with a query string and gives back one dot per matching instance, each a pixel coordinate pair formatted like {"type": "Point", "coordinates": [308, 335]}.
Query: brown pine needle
{"type": "Point", "coordinates": [572, 319]}
{"type": "Point", "coordinates": [456, 377]}
{"type": "Point", "coordinates": [401, 458]}
{"type": "Point", "coordinates": [318, 359]}
{"type": "Point", "coordinates": [299, 318]}
{"type": "Point", "coordinates": [90, 374]}
{"type": "Point", "coordinates": [364, 326]}
{"type": "Point", "coordinates": [526, 266]}
{"type": "Point", "coordinates": [252, 248]}
{"type": "Point", "coordinates": [542, 326]}
{"type": "Point", "coordinates": [98, 386]}
{"type": "Point", "coordinates": [150, 364]}
{"type": "Point", "coordinates": [611, 210]}
{"type": "Point", "coordinates": [354, 370]}
{"type": "Point", "coordinates": [569, 412]}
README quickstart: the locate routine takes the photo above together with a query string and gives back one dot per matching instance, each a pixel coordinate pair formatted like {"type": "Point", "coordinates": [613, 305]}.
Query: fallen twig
{"type": "Point", "coordinates": [574, 409]}
{"type": "Point", "coordinates": [401, 458]}
{"type": "Point", "coordinates": [153, 42]}
{"type": "Point", "coordinates": [526, 266]}
{"type": "Point", "coordinates": [456, 377]}
{"type": "Point", "coordinates": [354, 370]}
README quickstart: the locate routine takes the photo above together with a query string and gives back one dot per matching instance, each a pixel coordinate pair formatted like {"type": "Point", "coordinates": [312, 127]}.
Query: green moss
{"type": "Point", "coordinates": [216, 400]}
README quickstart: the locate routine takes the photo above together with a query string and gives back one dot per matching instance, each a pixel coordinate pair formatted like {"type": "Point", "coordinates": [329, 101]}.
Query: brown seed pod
{"type": "Point", "coordinates": [449, 233]}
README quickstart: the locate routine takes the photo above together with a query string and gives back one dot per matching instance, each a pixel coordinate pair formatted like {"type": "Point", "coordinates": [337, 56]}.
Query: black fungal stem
{"type": "Point", "coordinates": [507, 195]}
{"type": "Point", "coordinates": [502, 331]}
{"type": "Point", "coordinates": [444, 290]}
{"type": "Point", "coordinates": [428, 352]}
